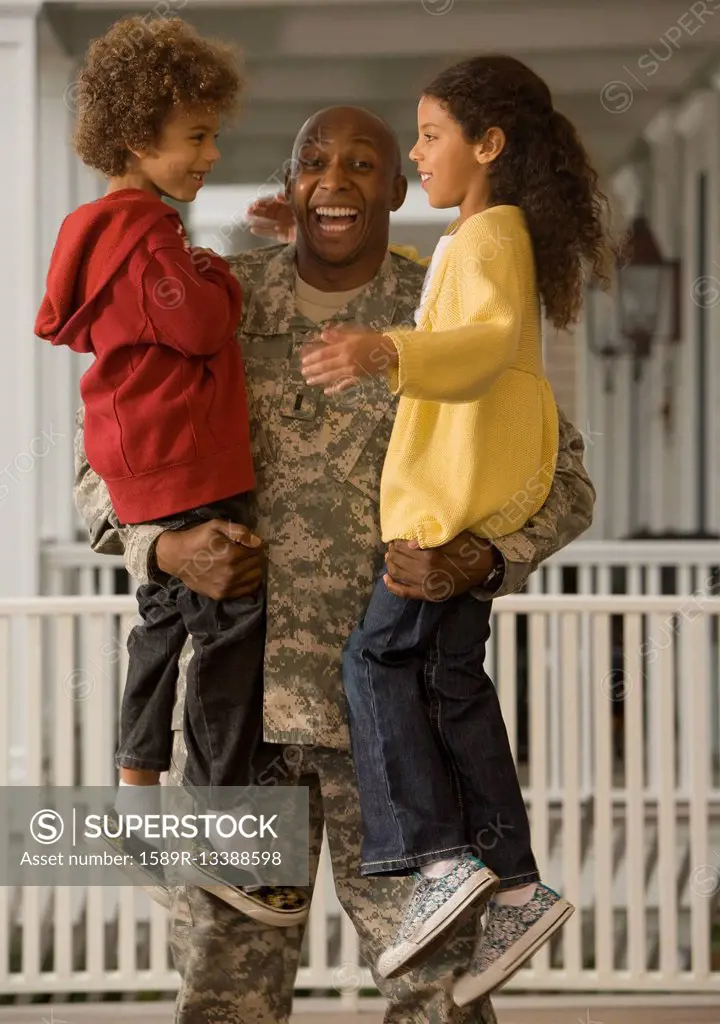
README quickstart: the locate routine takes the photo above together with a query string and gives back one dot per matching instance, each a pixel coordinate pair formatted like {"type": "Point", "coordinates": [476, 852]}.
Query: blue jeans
{"type": "Point", "coordinates": [434, 765]}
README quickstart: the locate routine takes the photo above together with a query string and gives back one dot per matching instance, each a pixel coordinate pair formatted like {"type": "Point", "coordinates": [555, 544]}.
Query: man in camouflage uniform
{"type": "Point", "coordinates": [318, 462]}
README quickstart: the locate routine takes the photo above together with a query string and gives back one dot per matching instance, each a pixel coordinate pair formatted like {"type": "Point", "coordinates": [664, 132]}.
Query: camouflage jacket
{"type": "Point", "coordinates": [318, 463]}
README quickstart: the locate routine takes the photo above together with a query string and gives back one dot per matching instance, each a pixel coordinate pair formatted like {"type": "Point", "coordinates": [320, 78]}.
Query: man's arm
{"type": "Point", "coordinates": [464, 563]}
{"type": "Point", "coordinates": [566, 514]}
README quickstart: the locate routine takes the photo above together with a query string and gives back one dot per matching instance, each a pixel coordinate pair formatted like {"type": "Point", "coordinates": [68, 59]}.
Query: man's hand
{"type": "Point", "coordinates": [346, 354]}
{"type": "Point", "coordinates": [435, 574]}
{"type": "Point", "coordinates": [272, 217]}
{"type": "Point", "coordinates": [219, 559]}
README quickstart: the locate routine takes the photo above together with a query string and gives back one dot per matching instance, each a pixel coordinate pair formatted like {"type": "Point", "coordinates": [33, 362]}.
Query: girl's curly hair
{"type": "Point", "coordinates": [135, 75]}
{"type": "Point", "coordinates": [543, 168]}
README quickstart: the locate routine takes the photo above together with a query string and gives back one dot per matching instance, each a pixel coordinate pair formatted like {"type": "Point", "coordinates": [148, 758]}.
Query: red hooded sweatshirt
{"type": "Point", "coordinates": [166, 417]}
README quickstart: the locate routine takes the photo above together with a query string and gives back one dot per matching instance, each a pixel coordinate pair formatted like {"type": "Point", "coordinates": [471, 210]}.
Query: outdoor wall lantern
{"type": "Point", "coordinates": [646, 295]}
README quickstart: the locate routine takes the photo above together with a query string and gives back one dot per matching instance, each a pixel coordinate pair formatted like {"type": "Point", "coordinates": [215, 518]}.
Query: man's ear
{"type": "Point", "coordinates": [288, 183]}
{"type": "Point", "coordinates": [399, 192]}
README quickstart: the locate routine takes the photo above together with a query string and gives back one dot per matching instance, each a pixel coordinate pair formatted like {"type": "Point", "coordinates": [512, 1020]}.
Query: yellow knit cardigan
{"type": "Point", "coordinates": [475, 439]}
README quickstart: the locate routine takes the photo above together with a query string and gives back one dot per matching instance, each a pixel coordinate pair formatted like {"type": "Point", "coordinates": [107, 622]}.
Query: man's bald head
{"type": "Point", "coordinates": [362, 123]}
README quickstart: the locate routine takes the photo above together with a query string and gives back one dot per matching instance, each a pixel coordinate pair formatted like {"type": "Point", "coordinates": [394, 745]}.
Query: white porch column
{"type": "Point", "coordinates": [64, 183]}
{"type": "Point", "coordinates": [627, 190]}
{"type": "Point", "coordinates": [21, 443]}
{"type": "Point", "coordinates": [700, 291]}
{"type": "Point", "coordinates": [713, 448]}
{"type": "Point", "coordinates": [661, 451]}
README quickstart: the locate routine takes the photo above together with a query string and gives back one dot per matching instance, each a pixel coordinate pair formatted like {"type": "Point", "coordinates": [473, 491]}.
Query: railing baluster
{"type": "Point", "coordinates": [506, 671]}
{"type": "Point", "coordinates": [635, 831]}
{"type": "Point", "coordinates": [602, 788]}
{"type": "Point", "coordinates": [539, 760]}
{"type": "Point", "coordinates": [571, 805]}
{"type": "Point", "coordinates": [667, 814]}
{"type": "Point", "coordinates": [704, 863]}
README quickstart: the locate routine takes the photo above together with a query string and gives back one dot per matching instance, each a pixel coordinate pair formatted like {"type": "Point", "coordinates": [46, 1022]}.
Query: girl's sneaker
{"type": "Point", "coordinates": [513, 934]}
{"type": "Point", "coordinates": [435, 905]}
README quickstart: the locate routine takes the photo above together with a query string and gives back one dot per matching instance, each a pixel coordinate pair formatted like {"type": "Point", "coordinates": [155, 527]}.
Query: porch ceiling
{"type": "Point", "coordinates": [611, 64]}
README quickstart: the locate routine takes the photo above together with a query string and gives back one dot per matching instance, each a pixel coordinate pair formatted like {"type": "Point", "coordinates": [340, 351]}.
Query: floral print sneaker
{"type": "Point", "coordinates": [435, 905]}
{"type": "Point", "coordinates": [513, 934]}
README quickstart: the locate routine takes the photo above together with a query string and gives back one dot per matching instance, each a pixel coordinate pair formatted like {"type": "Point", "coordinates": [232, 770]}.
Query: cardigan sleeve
{"type": "Point", "coordinates": [481, 294]}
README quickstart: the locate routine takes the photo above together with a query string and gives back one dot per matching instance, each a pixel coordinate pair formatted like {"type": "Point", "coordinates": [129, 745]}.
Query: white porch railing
{"type": "Point", "coordinates": [585, 567]}
{"type": "Point", "coordinates": [620, 764]}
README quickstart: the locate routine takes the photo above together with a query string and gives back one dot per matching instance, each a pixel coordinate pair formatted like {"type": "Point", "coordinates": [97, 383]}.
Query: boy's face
{"type": "Point", "coordinates": [185, 152]}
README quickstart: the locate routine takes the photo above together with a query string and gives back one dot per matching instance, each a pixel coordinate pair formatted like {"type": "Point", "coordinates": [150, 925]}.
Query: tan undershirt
{"type": "Point", "coordinates": [319, 306]}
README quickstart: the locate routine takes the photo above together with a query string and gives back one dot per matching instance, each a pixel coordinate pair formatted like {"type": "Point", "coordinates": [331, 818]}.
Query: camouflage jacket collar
{"type": "Point", "coordinates": [271, 306]}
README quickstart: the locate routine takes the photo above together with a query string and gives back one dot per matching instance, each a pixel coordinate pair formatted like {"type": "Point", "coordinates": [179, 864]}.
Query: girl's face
{"type": "Point", "coordinates": [453, 171]}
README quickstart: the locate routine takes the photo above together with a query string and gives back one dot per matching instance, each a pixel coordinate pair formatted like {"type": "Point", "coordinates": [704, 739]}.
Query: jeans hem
{"type": "Point", "coordinates": [517, 880]}
{"type": "Point", "coordinates": [404, 865]}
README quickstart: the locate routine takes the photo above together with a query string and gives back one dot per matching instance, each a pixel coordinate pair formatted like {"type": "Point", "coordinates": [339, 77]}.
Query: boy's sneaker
{"type": "Point", "coordinates": [141, 870]}
{"type": "Point", "coordinates": [512, 935]}
{"type": "Point", "coordinates": [280, 905]}
{"type": "Point", "coordinates": [435, 905]}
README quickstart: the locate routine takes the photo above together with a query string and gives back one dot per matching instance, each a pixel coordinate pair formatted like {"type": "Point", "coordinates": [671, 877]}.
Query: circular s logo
{"type": "Point", "coordinates": [46, 827]}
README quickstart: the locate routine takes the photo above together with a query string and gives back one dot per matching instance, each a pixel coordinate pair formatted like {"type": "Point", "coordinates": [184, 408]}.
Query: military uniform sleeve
{"type": "Point", "coordinates": [566, 514]}
{"type": "Point", "coordinates": [107, 535]}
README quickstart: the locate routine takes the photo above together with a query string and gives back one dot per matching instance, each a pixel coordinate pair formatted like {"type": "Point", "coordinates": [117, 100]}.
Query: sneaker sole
{"type": "Point", "coordinates": [244, 903]}
{"type": "Point", "coordinates": [471, 987]}
{"type": "Point", "coordinates": [433, 933]}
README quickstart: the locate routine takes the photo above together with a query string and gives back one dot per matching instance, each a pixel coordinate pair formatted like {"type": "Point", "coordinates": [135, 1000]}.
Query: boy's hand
{"type": "Point", "coordinates": [436, 574]}
{"type": "Point", "coordinates": [346, 354]}
{"type": "Point", "coordinates": [219, 559]}
{"type": "Point", "coordinates": [272, 217]}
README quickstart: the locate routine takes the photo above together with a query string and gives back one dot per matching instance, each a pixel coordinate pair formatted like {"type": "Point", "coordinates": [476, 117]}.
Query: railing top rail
{"type": "Point", "coordinates": [77, 556]}
{"type": "Point", "coordinates": [581, 552]}
{"type": "Point", "coordinates": [516, 603]}
{"type": "Point", "coordinates": [638, 552]}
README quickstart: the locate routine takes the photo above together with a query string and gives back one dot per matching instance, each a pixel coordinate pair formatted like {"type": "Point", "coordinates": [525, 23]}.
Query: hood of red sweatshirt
{"type": "Point", "coordinates": [93, 244]}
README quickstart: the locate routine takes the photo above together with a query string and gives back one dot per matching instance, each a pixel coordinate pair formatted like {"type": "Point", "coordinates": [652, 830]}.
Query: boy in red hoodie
{"type": "Point", "coordinates": [166, 418]}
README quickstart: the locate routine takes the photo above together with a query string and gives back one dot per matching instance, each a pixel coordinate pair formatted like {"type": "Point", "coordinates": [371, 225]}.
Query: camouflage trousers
{"type": "Point", "coordinates": [236, 971]}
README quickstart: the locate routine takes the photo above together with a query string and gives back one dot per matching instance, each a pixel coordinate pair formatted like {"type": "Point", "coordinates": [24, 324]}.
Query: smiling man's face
{"type": "Point", "coordinates": [345, 181]}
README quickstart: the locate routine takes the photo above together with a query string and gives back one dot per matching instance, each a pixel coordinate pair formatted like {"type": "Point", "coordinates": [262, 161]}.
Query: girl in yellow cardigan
{"type": "Point", "coordinates": [473, 448]}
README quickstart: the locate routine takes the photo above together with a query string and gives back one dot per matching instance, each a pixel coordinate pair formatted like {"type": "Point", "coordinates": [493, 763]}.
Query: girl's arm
{"type": "Point", "coordinates": [483, 295]}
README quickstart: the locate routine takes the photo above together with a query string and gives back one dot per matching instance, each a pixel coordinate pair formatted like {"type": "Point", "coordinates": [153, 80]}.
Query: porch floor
{"type": "Point", "coordinates": [162, 1013]}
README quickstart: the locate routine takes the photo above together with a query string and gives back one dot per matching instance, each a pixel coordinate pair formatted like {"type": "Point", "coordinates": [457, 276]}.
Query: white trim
{"type": "Point", "coordinates": [692, 115]}
{"type": "Point", "coordinates": [19, 422]}
{"type": "Point", "coordinates": [20, 8]}
{"type": "Point", "coordinates": [626, 186]}
{"type": "Point", "coordinates": [662, 127]}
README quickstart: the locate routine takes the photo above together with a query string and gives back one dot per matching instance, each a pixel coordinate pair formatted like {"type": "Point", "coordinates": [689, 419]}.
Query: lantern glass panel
{"type": "Point", "coordinates": [640, 295]}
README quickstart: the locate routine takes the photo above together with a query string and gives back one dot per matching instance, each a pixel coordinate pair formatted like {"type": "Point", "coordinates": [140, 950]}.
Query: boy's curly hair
{"type": "Point", "coordinates": [544, 169]}
{"type": "Point", "coordinates": [135, 75]}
